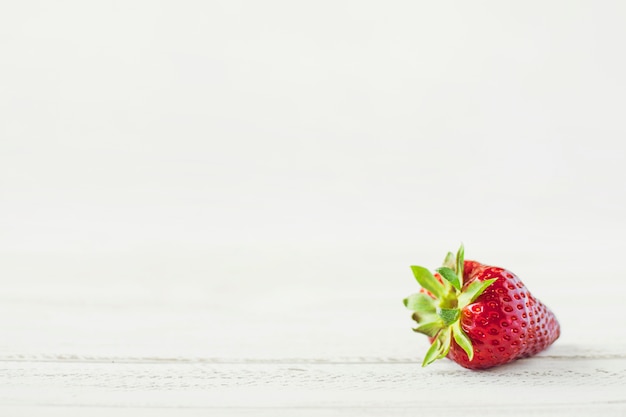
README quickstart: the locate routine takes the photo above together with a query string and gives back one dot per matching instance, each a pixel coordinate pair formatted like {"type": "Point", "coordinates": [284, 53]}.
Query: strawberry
{"type": "Point", "coordinates": [479, 316]}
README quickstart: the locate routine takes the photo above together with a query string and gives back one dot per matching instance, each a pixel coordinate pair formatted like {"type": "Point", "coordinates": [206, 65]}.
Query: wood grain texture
{"type": "Point", "coordinates": [567, 384]}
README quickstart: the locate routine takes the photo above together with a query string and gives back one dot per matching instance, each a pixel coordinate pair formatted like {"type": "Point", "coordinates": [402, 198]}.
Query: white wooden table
{"type": "Point", "coordinates": [309, 348]}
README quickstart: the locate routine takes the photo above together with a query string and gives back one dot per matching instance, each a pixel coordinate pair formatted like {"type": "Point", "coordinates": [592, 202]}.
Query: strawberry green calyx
{"type": "Point", "coordinates": [438, 312]}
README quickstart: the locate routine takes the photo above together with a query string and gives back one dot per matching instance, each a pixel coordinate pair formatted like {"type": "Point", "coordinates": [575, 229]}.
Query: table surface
{"type": "Point", "coordinates": [320, 348]}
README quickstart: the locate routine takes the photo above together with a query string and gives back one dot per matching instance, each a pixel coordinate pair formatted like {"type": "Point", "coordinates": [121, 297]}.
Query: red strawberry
{"type": "Point", "coordinates": [479, 316]}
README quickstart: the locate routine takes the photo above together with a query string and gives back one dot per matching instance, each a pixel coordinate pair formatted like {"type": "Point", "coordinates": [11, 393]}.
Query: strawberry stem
{"type": "Point", "coordinates": [449, 315]}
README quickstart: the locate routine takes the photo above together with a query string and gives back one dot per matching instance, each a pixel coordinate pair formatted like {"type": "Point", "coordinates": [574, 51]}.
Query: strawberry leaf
{"type": "Point", "coordinates": [473, 291]}
{"type": "Point", "coordinates": [450, 262]}
{"type": "Point", "coordinates": [425, 318]}
{"type": "Point", "coordinates": [462, 340]}
{"type": "Point", "coordinates": [450, 276]}
{"type": "Point", "coordinates": [460, 258]}
{"type": "Point", "coordinates": [428, 281]}
{"type": "Point", "coordinates": [445, 338]}
{"type": "Point", "coordinates": [420, 302]}
{"type": "Point", "coordinates": [430, 329]}
{"type": "Point", "coordinates": [433, 353]}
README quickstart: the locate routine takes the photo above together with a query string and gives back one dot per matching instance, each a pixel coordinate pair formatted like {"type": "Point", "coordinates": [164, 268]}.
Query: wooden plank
{"type": "Point", "coordinates": [555, 384]}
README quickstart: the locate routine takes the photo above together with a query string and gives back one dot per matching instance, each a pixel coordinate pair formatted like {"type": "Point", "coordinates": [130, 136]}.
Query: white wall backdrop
{"type": "Point", "coordinates": [297, 147]}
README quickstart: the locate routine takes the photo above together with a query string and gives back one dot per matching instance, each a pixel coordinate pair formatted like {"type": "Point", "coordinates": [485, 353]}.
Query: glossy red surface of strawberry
{"type": "Point", "coordinates": [505, 322]}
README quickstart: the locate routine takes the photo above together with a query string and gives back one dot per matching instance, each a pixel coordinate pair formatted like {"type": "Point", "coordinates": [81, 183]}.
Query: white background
{"type": "Point", "coordinates": [261, 162]}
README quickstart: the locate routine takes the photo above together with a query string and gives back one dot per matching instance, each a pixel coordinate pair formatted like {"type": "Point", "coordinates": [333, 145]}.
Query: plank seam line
{"type": "Point", "coordinates": [260, 361]}
{"type": "Point", "coordinates": [518, 406]}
